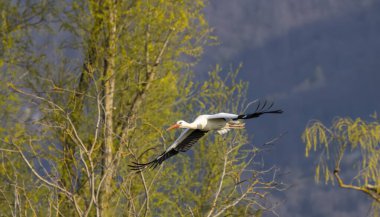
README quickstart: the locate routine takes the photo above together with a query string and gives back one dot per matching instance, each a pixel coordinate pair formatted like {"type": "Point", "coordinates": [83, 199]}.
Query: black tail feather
{"type": "Point", "coordinates": [260, 109]}
{"type": "Point", "coordinates": [154, 163]}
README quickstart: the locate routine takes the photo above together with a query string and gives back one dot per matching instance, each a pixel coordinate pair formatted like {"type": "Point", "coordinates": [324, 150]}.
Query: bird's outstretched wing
{"type": "Point", "coordinates": [262, 108]}
{"type": "Point", "coordinates": [226, 116]}
{"type": "Point", "coordinates": [183, 143]}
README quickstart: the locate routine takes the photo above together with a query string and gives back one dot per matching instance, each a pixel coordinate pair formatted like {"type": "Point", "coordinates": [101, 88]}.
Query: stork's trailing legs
{"type": "Point", "coordinates": [231, 125]}
{"type": "Point", "coordinates": [235, 125]}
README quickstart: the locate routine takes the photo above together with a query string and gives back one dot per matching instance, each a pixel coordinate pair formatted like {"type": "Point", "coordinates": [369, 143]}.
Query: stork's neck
{"type": "Point", "coordinates": [192, 125]}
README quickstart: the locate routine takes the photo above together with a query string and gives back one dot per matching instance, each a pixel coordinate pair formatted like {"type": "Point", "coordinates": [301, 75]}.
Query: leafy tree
{"type": "Point", "coordinates": [348, 154]}
{"type": "Point", "coordinates": [16, 188]}
{"type": "Point", "coordinates": [99, 79]}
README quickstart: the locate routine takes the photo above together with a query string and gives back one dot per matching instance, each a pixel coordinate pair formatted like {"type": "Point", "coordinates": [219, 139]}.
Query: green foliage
{"type": "Point", "coordinates": [347, 144]}
{"type": "Point", "coordinates": [15, 189]}
{"type": "Point", "coordinates": [58, 65]}
{"type": "Point", "coordinates": [347, 135]}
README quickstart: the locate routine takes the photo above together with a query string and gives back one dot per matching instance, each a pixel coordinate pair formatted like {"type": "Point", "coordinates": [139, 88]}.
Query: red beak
{"type": "Point", "coordinates": [175, 126]}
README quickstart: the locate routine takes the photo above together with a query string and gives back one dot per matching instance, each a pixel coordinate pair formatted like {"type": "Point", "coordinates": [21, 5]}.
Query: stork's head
{"type": "Point", "coordinates": [179, 124]}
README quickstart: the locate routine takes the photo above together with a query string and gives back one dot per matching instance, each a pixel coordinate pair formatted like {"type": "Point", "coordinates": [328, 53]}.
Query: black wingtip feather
{"type": "Point", "coordinates": [141, 166]}
{"type": "Point", "coordinates": [154, 163]}
{"type": "Point", "coordinates": [260, 110]}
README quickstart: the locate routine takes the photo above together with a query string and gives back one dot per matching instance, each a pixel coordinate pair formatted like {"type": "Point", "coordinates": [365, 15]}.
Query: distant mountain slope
{"type": "Point", "coordinates": [345, 49]}
{"type": "Point", "coordinates": [254, 22]}
{"type": "Point", "coordinates": [317, 59]}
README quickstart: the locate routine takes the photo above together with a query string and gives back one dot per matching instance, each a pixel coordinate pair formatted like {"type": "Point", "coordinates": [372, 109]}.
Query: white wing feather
{"type": "Point", "coordinates": [223, 115]}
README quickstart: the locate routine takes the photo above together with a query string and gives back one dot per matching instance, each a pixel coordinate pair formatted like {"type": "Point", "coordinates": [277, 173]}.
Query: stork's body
{"type": "Point", "coordinates": [210, 122]}
{"type": "Point", "coordinates": [221, 122]}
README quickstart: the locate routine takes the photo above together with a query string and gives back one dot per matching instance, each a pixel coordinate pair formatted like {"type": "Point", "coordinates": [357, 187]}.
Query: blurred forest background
{"type": "Point", "coordinates": [89, 86]}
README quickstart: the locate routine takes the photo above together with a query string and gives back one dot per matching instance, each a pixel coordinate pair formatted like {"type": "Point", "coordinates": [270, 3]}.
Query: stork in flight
{"type": "Point", "coordinates": [221, 122]}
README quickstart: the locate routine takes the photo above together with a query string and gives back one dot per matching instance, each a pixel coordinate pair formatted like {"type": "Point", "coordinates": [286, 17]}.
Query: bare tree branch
{"type": "Point", "coordinates": [219, 186]}
{"type": "Point", "coordinates": [375, 195]}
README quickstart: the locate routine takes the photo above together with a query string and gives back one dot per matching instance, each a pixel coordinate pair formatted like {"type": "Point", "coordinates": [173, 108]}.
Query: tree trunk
{"type": "Point", "coordinates": [109, 86]}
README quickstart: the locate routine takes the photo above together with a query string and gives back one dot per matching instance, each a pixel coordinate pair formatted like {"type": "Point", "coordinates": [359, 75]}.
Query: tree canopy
{"type": "Point", "coordinates": [87, 87]}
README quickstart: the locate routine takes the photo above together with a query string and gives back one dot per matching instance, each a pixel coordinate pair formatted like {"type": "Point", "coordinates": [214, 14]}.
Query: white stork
{"type": "Point", "coordinates": [221, 122]}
